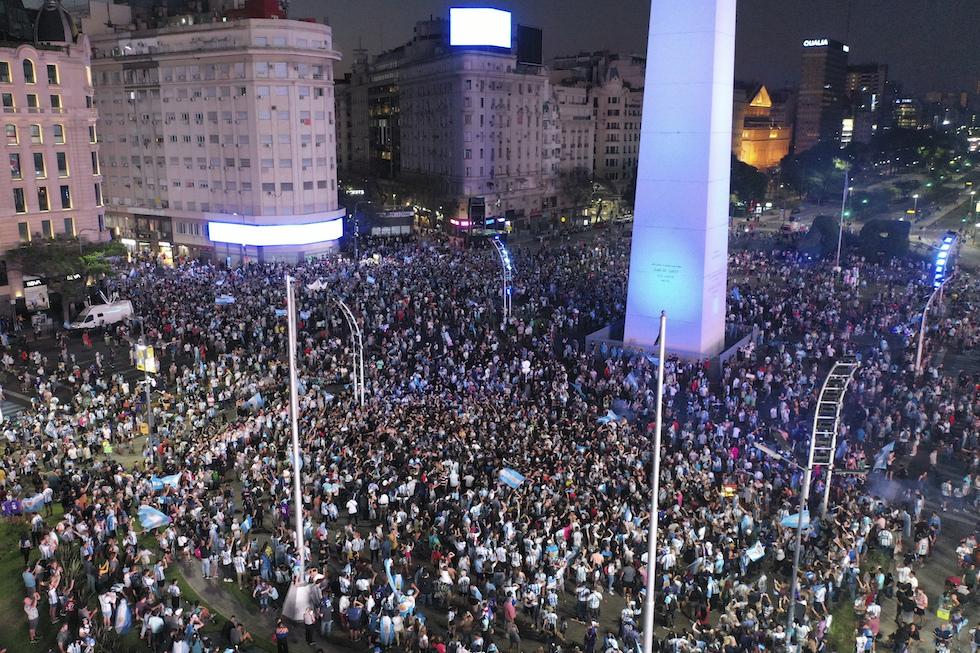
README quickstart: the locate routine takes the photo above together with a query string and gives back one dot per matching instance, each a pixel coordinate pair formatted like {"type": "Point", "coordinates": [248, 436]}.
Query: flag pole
{"type": "Point", "coordinates": [650, 602]}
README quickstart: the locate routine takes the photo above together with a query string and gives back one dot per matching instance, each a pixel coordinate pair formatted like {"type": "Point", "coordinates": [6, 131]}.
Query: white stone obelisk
{"type": "Point", "coordinates": [679, 261]}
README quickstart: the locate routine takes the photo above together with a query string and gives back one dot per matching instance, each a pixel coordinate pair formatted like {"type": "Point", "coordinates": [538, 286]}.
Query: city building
{"type": "Point", "coordinates": [907, 113]}
{"type": "Point", "coordinates": [869, 100]}
{"type": "Point", "coordinates": [822, 98]}
{"type": "Point", "coordinates": [614, 88]}
{"type": "Point", "coordinates": [51, 137]}
{"type": "Point", "coordinates": [757, 138]}
{"type": "Point", "coordinates": [218, 137]}
{"type": "Point", "coordinates": [468, 118]}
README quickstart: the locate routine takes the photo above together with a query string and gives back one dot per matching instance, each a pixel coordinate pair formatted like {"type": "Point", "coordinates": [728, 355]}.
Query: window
{"type": "Point", "coordinates": [4, 72]}
{"type": "Point", "coordinates": [95, 164]}
{"type": "Point", "coordinates": [15, 172]}
{"type": "Point", "coordinates": [8, 100]}
{"type": "Point", "coordinates": [32, 101]}
{"type": "Point", "coordinates": [36, 134]}
{"type": "Point", "coordinates": [268, 188]}
{"type": "Point", "coordinates": [42, 199]}
{"type": "Point", "coordinates": [70, 226]}
{"type": "Point", "coordinates": [11, 134]}
{"type": "Point", "coordinates": [19, 204]}
{"type": "Point", "coordinates": [98, 194]}
{"type": "Point", "coordinates": [286, 187]}
{"type": "Point", "coordinates": [24, 231]}
{"type": "Point", "coordinates": [285, 163]}
{"type": "Point", "coordinates": [65, 197]}
{"type": "Point", "coordinates": [39, 165]}
{"type": "Point", "coordinates": [46, 229]}
{"type": "Point", "coordinates": [91, 134]}
{"type": "Point", "coordinates": [29, 72]}
{"type": "Point", "coordinates": [52, 73]}
{"type": "Point", "coordinates": [63, 163]}
{"type": "Point", "coordinates": [59, 135]}
{"type": "Point", "coordinates": [244, 163]}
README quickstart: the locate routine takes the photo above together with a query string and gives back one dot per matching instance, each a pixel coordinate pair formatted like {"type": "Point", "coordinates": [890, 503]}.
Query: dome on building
{"type": "Point", "coordinates": [53, 24]}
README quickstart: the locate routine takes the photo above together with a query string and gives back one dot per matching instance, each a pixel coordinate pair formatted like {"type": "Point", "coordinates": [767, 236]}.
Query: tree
{"type": "Point", "coordinates": [576, 186]}
{"type": "Point", "coordinates": [748, 184]}
{"type": "Point", "coordinates": [66, 263]}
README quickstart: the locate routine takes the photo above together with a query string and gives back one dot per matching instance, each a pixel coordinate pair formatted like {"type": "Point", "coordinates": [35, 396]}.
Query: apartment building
{"type": "Point", "coordinates": [218, 138]}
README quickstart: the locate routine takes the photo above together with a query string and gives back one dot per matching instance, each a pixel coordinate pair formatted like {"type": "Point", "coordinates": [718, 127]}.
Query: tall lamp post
{"type": "Point", "coordinates": [915, 207]}
{"type": "Point", "coordinates": [298, 597]}
{"type": "Point", "coordinates": [800, 514]}
{"type": "Point", "coordinates": [506, 270]}
{"type": "Point", "coordinates": [357, 375]}
{"type": "Point", "coordinates": [922, 326]}
{"type": "Point", "coordinates": [355, 330]}
{"type": "Point", "coordinates": [650, 602]}
{"type": "Point", "coordinates": [843, 204]}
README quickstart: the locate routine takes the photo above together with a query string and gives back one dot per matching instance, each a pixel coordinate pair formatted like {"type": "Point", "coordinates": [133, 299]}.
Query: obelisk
{"type": "Point", "coordinates": [679, 261]}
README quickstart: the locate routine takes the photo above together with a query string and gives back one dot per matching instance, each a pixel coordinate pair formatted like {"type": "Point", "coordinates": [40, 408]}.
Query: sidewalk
{"type": "Point", "coordinates": [261, 626]}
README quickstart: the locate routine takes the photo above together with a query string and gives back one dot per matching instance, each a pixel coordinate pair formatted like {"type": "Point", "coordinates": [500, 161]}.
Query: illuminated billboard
{"type": "Point", "coordinates": [479, 26]}
{"type": "Point", "coordinates": [276, 235]}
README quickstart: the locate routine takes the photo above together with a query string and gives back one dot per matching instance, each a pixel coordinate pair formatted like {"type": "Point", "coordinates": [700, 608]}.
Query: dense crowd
{"type": "Point", "coordinates": [413, 537]}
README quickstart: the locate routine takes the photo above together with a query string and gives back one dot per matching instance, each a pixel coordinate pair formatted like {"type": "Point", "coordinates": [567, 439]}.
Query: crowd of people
{"type": "Point", "coordinates": [494, 489]}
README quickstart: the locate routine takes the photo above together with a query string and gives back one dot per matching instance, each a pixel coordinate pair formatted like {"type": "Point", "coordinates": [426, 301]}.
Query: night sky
{"type": "Point", "coordinates": [928, 44]}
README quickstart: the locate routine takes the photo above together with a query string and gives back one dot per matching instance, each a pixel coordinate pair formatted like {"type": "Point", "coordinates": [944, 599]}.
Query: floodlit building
{"type": "Point", "coordinates": [218, 138]}
{"type": "Point", "coordinates": [758, 138]}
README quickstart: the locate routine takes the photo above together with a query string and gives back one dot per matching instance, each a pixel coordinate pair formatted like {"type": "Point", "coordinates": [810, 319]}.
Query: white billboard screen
{"type": "Point", "coordinates": [479, 26]}
{"type": "Point", "coordinates": [275, 235]}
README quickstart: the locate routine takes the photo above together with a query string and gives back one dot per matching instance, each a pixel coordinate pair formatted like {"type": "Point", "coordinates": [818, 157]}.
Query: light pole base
{"type": "Point", "coordinates": [297, 600]}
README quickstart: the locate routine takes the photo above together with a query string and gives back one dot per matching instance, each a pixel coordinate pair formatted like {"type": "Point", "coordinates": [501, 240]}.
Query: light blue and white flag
{"type": "Point", "coordinates": [792, 520]}
{"type": "Point", "coordinates": [33, 504]}
{"type": "Point", "coordinates": [123, 619]}
{"type": "Point", "coordinates": [152, 518]}
{"type": "Point", "coordinates": [609, 417]}
{"type": "Point", "coordinates": [511, 477]}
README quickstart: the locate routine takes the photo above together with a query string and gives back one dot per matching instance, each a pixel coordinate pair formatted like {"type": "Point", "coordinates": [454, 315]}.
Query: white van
{"type": "Point", "coordinates": [103, 314]}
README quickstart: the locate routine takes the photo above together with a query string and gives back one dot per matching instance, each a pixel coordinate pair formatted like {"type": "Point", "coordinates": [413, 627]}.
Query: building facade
{"type": "Point", "coordinates": [218, 139]}
{"type": "Point", "coordinates": [470, 119]}
{"type": "Point", "coordinates": [758, 138]}
{"type": "Point", "coordinates": [822, 98]}
{"type": "Point", "coordinates": [51, 142]}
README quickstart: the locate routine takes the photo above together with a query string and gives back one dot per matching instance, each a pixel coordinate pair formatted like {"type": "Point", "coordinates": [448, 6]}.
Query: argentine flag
{"type": "Point", "coordinates": [511, 477]}
{"type": "Point", "coordinates": [152, 518]}
{"type": "Point", "coordinates": [123, 618]}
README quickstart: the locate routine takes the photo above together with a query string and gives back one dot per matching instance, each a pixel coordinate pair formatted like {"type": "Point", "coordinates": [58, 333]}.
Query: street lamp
{"type": "Point", "coordinates": [922, 326]}
{"type": "Point", "coordinates": [298, 597]}
{"type": "Point", "coordinates": [843, 203]}
{"type": "Point", "coordinates": [79, 236]}
{"type": "Point", "coordinates": [800, 513]}
{"type": "Point", "coordinates": [358, 365]}
{"type": "Point", "coordinates": [915, 207]}
{"type": "Point", "coordinates": [650, 603]}
{"type": "Point", "coordinates": [506, 275]}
